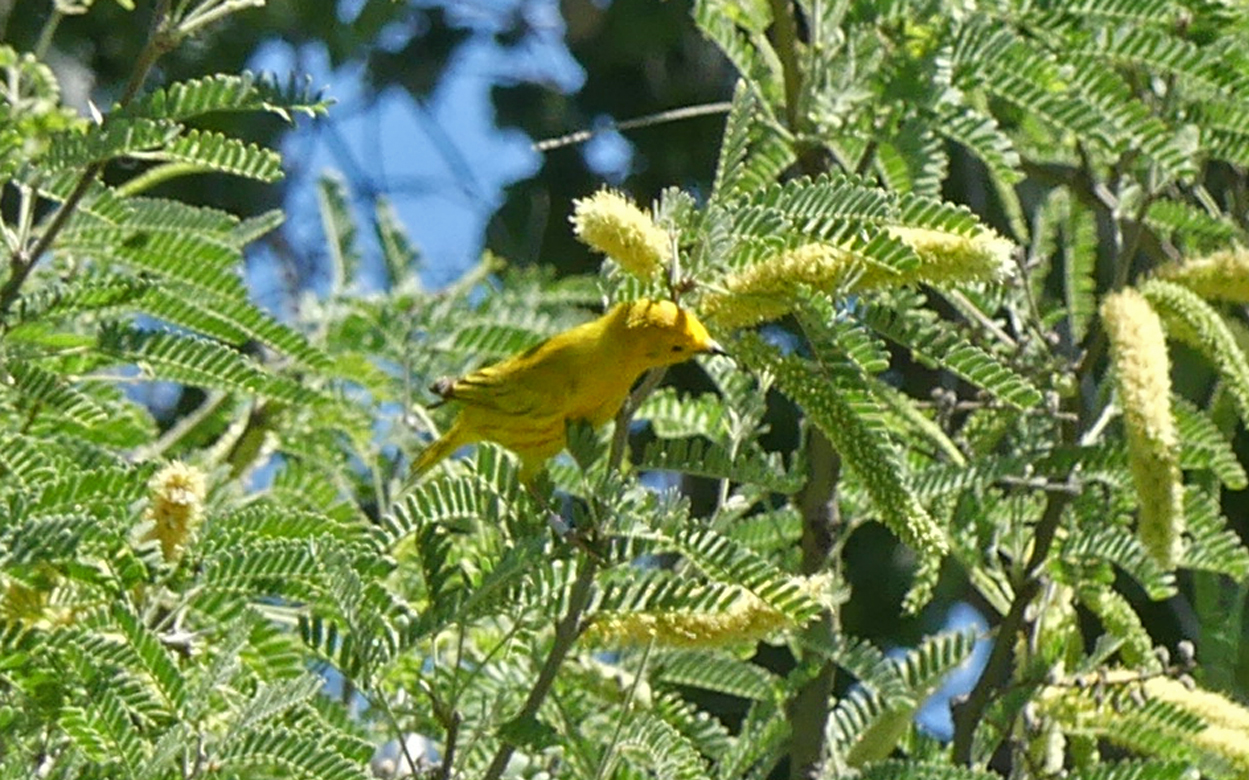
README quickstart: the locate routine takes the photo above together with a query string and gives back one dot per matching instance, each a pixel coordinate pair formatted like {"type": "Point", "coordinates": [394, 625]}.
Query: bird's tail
{"type": "Point", "coordinates": [432, 455]}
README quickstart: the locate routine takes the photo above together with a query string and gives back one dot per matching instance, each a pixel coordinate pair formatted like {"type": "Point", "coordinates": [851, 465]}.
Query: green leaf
{"type": "Point", "coordinates": [1189, 318]}
{"type": "Point", "coordinates": [1201, 442]}
{"type": "Point", "coordinates": [1135, 770]}
{"type": "Point", "coordinates": [937, 344]}
{"type": "Point", "coordinates": [186, 257]}
{"type": "Point", "coordinates": [1213, 545]}
{"type": "Point", "coordinates": [222, 154]}
{"type": "Point", "coordinates": [100, 143]}
{"type": "Point", "coordinates": [44, 392]}
{"type": "Point", "coordinates": [656, 748]}
{"type": "Point", "coordinates": [232, 321]}
{"type": "Point", "coordinates": [898, 769]}
{"type": "Point", "coordinates": [715, 671]}
{"type": "Point", "coordinates": [672, 416]}
{"type": "Point", "coordinates": [701, 458]}
{"type": "Point", "coordinates": [151, 656]}
{"type": "Point", "coordinates": [981, 134]}
{"type": "Point", "coordinates": [246, 92]}
{"type": "Point", "coordinates": [279, 750]}
{"type": "Point", "coordinates": [340, 231]}
{"type": "Point", "coordinates": [400, 257]}
{"type": "Point", "coordinates": [199, 362]}
{"type": "Point", "coordinates": [726, 561]}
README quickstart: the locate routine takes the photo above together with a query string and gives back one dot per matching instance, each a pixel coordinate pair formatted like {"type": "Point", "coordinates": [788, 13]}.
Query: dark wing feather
{"type": "Point", "coordinates": [500, 388]}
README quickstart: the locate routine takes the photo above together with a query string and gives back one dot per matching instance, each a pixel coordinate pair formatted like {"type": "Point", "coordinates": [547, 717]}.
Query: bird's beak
{"type": "Point", "coordinates": [714, 348]}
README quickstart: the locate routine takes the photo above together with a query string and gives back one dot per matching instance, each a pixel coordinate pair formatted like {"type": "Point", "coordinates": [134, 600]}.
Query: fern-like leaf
{"type": "Point", "coordinates": [1097, 546]}
{"type": "Point", "coordinates": [43, 391]}
{"type": "Point", "coordinates": [1135, 770]}
{"type": "Point", "coordinates": [729, 562]}
{"type": "Point", "coordinates": [246, 92]}
{"type": "Point", "coordinates": [232, 321]}
{"type": "Point", "coordinates": [1201, 440]}
{"type": "Point", "coordinates": [704, 459]}
{"type": "Point", "coordinates": [92, 292]}
{"type": "Point", "coordinates": [981, 134]}
{"type": "Point", "coordinates": [918, 329]}
{"type": "Point", "coordinates": [220, 153]}
{"type": "Point", "coordinates": [340, 230]}
{"type": "Point", "coordinates": [1191, 319]}
{"type": "Point", "coordinates": [1212, 545]}
{"type": "Point", "coordinates": [279, 750]}
{"type": "Point", "coordinates": [99, 143]}
{"type": "Point", "coordinates": [896, 769]}
{"type": "Point", "coordinates": [201, 363]}
{"type": "Point", "coordinates": [715, 671]}
{"type": "Point", "coordinates": [654, 746]}
{"type": "Point", "coordinates": [186, 257]}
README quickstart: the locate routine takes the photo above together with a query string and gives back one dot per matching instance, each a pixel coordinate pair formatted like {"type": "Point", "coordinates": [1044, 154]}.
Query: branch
{"type": "Point", "coordinates": [808, 709]}
{"type": "Point", "coordinates": [997, 670]}
{"type": "Point", "coordinates": [785, 35]}
{"type": "Point", "coordinates": [570, 625]}
{"type": "Point", "coordinates": [566, 633]}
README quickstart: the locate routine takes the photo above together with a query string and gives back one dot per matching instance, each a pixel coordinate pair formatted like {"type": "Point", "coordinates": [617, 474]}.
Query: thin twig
{"type": "Point", "coordinates": [650, 120]}
{"type": "Point", "coordinates": [45, 35]}
{"type": "Point", "coordinates": [621, 435]}
{"type": "Point", "coordinates": [610, 748]}
{"type": "Point", "coordinates": [972, 312]}
{"type": "Point", "coordinates": [808, 709]}
{"type": "Point", "coordinates": [996, 675]}
{"type": "Point", "coordinates": [184, 426]}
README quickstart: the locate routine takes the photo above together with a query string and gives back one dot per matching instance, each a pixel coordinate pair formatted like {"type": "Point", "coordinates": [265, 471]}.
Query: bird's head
{"type": "Point", "coordinates": [663, 333]}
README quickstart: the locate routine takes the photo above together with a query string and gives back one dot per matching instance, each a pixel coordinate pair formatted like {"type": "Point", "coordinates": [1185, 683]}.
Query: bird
{"type": "Point", "coordinates": [526, 401]}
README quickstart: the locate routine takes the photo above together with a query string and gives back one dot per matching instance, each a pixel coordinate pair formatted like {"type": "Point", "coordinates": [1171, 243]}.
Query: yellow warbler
{"type": "Point", "coordinates": [584, 373]}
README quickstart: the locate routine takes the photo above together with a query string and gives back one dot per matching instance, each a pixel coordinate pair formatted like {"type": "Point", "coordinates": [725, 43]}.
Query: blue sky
{"type": "Point", "coordinates": [442, 162]}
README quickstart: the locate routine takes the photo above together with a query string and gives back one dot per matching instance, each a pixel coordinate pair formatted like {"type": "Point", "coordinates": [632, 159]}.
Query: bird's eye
{"type": "Point", "coordinates": [678, 348]}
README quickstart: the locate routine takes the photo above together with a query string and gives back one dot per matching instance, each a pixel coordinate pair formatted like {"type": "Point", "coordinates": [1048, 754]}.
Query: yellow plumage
{"type": "Point", "coordinates": [525, 402]}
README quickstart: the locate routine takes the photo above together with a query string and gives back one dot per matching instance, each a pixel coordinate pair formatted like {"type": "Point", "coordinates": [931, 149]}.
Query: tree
{"type": "Point", "coordinates": [981, 277]}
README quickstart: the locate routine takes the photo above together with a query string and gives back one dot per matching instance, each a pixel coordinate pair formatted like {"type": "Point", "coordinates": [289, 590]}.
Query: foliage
{"type": "Point", "coordinates": [211, 562]}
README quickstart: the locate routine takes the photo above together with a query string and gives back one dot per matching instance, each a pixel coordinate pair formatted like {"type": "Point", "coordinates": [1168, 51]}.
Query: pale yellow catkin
{"type": "Point", "coordinates": [1221, 276]}
{"type": "Point", "coordinates": [178, 492]}
{"type": "Point", "coordinates": [764, 291]}
{"type": "Point", "coordinates": [1139, 353]}
{"type": "Point", "coordinates": [746, 620]}
{"type": "Point", "coordinates": [1225, 735]}
{"type": "Point", "coordinates": [609, 222]}
{"type": "Point", "coordinates": [950, 258]}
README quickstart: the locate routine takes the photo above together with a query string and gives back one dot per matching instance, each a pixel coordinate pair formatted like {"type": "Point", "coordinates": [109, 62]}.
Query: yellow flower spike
{"type": "Point", "coordinates": [609, 222]}
{"type": "Point", "coordinates": [1139, 353]}
{"type": "Point", "coordinates": [20, 602]}
{"type": "Point", "coordinates": [746, 621]}
{"type": "Point", "coordinates": [1214, 709]}
{"type": "Point", "coordinates": [765, 291]}
{"type": "Point", "coordinates": [178, 492]}
{"type": "Point", "coordinates": [950, 258]}
{"type": "Point", "coordinates": [1220, 743]}
{"type": "Point", "coordinates": [1222, 276]}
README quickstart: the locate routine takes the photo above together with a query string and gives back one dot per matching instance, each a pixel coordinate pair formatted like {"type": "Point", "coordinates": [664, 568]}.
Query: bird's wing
{"type": "Point", "coordinates": [514, 387]}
